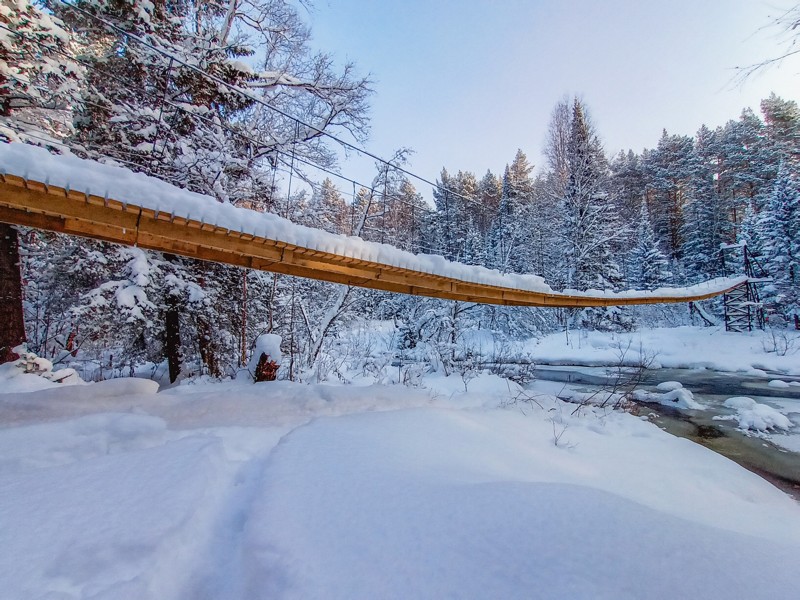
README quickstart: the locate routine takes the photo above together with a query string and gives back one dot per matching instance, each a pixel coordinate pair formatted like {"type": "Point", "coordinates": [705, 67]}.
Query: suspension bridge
{"type": "Point", "coordinates": [31, 196]}
{"type": "Point", "coordinates": [53, 193]}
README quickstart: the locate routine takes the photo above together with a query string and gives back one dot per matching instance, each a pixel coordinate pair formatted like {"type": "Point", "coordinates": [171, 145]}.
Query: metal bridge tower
{"type": "Point", "coordinates": [743, 308]}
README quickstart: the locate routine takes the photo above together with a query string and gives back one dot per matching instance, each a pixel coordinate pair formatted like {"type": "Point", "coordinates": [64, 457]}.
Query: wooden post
{"type": "Point", "coordinates": [12, 320]}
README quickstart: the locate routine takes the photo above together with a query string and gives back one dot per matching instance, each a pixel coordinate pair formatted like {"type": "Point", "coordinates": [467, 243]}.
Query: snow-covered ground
{"type": "Point", "coordinates": [676, 347]}
{"type": "Point", "coordinates": [281, 490]}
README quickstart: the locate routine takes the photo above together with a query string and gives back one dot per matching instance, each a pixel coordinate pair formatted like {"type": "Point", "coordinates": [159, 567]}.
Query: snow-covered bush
{"type": "Point", "coordinates": [30, 372]}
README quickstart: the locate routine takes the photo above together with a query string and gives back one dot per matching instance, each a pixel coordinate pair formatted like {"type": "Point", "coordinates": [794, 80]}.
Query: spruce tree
{"type": "Point", "coordinates": [778, 231]}
{"type": "Point", "coordinates": [648, 263]}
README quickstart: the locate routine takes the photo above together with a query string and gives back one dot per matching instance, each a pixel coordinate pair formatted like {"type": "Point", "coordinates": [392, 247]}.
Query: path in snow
{"type": "Point", "coordinates": [287, 491]}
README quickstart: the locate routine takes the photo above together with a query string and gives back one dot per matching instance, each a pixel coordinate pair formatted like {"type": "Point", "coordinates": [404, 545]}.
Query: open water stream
{"type": "Point", "coordinates": [757, 453]}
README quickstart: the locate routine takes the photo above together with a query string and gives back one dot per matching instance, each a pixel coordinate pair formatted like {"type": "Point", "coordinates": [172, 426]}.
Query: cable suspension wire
{"type": "Point", "coordinates": [247, 94]}
{"type": "Point", "coordinates": [163, 100]}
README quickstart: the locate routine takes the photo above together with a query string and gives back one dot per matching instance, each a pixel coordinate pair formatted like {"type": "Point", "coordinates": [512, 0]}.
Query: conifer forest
{"type": "Point", "coordinates": [227, 98]}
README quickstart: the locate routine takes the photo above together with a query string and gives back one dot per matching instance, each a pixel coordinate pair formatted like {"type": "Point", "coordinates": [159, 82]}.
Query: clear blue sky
{"type": "Point", "coordinates": [467, 82]}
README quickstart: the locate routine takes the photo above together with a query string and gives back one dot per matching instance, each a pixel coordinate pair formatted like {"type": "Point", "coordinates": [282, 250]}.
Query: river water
{"type": "Point", "coordinates": [757, 453]}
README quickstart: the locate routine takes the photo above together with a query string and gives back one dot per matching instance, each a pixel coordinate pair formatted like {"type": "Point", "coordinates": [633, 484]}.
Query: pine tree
{"type": "Point", "coordinates": [706, 215]}
{"type": "Point", "coordinates": [39, 81]}
{"type": "Point", "coordinates": [669, 169]}
{"type": "Point", "coordinates": [590, 223]}
{"type": "Point", "coordinates": [589, 214]}
{"type": "Point", "coordinates": [327, 210]}
{"type": "Point", "coordinates": [778, 231]}
{"type": "Point", "coordinates": [649, 265]}
{"type": "Point", "coordinates": [510, 236]}
{"type": "Point", "coordinates": [783, 126]}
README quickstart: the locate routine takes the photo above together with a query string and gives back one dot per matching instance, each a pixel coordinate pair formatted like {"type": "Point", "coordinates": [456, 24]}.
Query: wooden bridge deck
{"type": "Point", "coordinates": [35, 204]}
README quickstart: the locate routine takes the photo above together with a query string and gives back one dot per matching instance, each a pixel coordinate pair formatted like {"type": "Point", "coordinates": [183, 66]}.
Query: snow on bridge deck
{"type": "Point", "coordinates": [66, 194]}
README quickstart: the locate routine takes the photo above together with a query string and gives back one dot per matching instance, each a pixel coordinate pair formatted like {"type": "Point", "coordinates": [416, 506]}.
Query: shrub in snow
{"type": "Point", "coordinates": [29, 363]}
{"type": "Point", "coordinates": [755, 416]}
{"type": "Point", "coordinates": [266, 357]}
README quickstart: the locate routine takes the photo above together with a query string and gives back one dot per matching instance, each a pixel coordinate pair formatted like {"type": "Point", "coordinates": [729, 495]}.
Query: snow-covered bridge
{"type": "Point", "coordinates": [69, 195]}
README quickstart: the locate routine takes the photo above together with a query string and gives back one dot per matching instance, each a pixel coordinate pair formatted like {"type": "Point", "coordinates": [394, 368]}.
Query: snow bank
{"type": "Point", "coordinates": [126, 525]}
{"type": "Point", "coordinates": [678, 348]}
{"type": "Point", "coordinates": [755, 416]}
{"type": "Point", "coordinates": [448, 504]}
{"type": "Point", "coordinates": [70, 172]}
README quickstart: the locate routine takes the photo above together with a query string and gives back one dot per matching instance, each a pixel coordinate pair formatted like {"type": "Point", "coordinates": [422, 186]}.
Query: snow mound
{"type": "Point", "coordinates": [740, 403]}
{"type": "Point", "coordinates": [757, 417]}
{"type": "Point", "coordinates": [675, 395]}
{"type": "Point", "coordinates": [269, 344]}
{"type": "Point", "coordinates": [778, 383]}
{"type": "Point", "coordinates": [30, 373]}
{"type": "Point", "coordinates": [208, 491]}
{"type": "Point", "coordinates": [668, 386]}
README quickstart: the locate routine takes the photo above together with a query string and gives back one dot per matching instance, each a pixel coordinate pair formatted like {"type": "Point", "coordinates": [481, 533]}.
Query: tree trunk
{"type": "Point", "coordinates": [207, 347]}
{"type": "Point", "coordinates": [266, 369]}
{"type": "Point", "coordinates": [12, 321]}
{"type": "Point", "coordinates": [172, 342]}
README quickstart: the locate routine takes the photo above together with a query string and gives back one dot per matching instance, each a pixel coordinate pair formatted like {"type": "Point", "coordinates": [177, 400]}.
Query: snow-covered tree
{"type": "Point", "coordinates": [669, 170]}
{"type": "Point", "coordinates": [706, 215]}
{"type": "Point", "coordinates": [778, 231]}
{"type": "Point", "coordinates": [649, 266]}
{"type": "Point", "coordinates": [590, 220]}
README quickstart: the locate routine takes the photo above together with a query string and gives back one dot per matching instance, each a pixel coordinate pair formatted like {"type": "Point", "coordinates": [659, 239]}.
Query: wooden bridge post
{"type": "Point", "coordinates": [12, 319]}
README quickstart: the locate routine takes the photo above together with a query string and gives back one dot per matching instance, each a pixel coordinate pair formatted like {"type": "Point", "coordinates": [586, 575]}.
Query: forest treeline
{"type": "Point", "coordinates": [226, 98]}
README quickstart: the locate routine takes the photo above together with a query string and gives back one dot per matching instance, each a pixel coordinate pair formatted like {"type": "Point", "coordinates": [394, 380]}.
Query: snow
{"type": "Point", "coordinates": [669, 386]}
{"type": "Point", "coordinates": [675, 395]}
{"type": "Point", "coordinates": [281, 490]}
{"type": "Point", "coordinates": [675, 347]}
{"type": "Point", "coordinates": [70, 172]}
{"type": "Point", "coordinates": [757, 417]}
{"type": "Point", "coordinates": [269, 344]}
{"type": "Point", "coordinates": [778, 383]}
{"type": "Point", "coordinates": [31, 372]}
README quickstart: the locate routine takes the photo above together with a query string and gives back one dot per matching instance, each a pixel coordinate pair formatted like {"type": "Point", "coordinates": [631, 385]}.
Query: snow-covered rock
{"type": "Point", "coordinates": [668, 386]}
{"type": "Point", "coordinates": [672, 394]}
{"type": "Point", "coordinates": [778, 383]}
{"type": "Point", "coordinates": [758, 417]}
